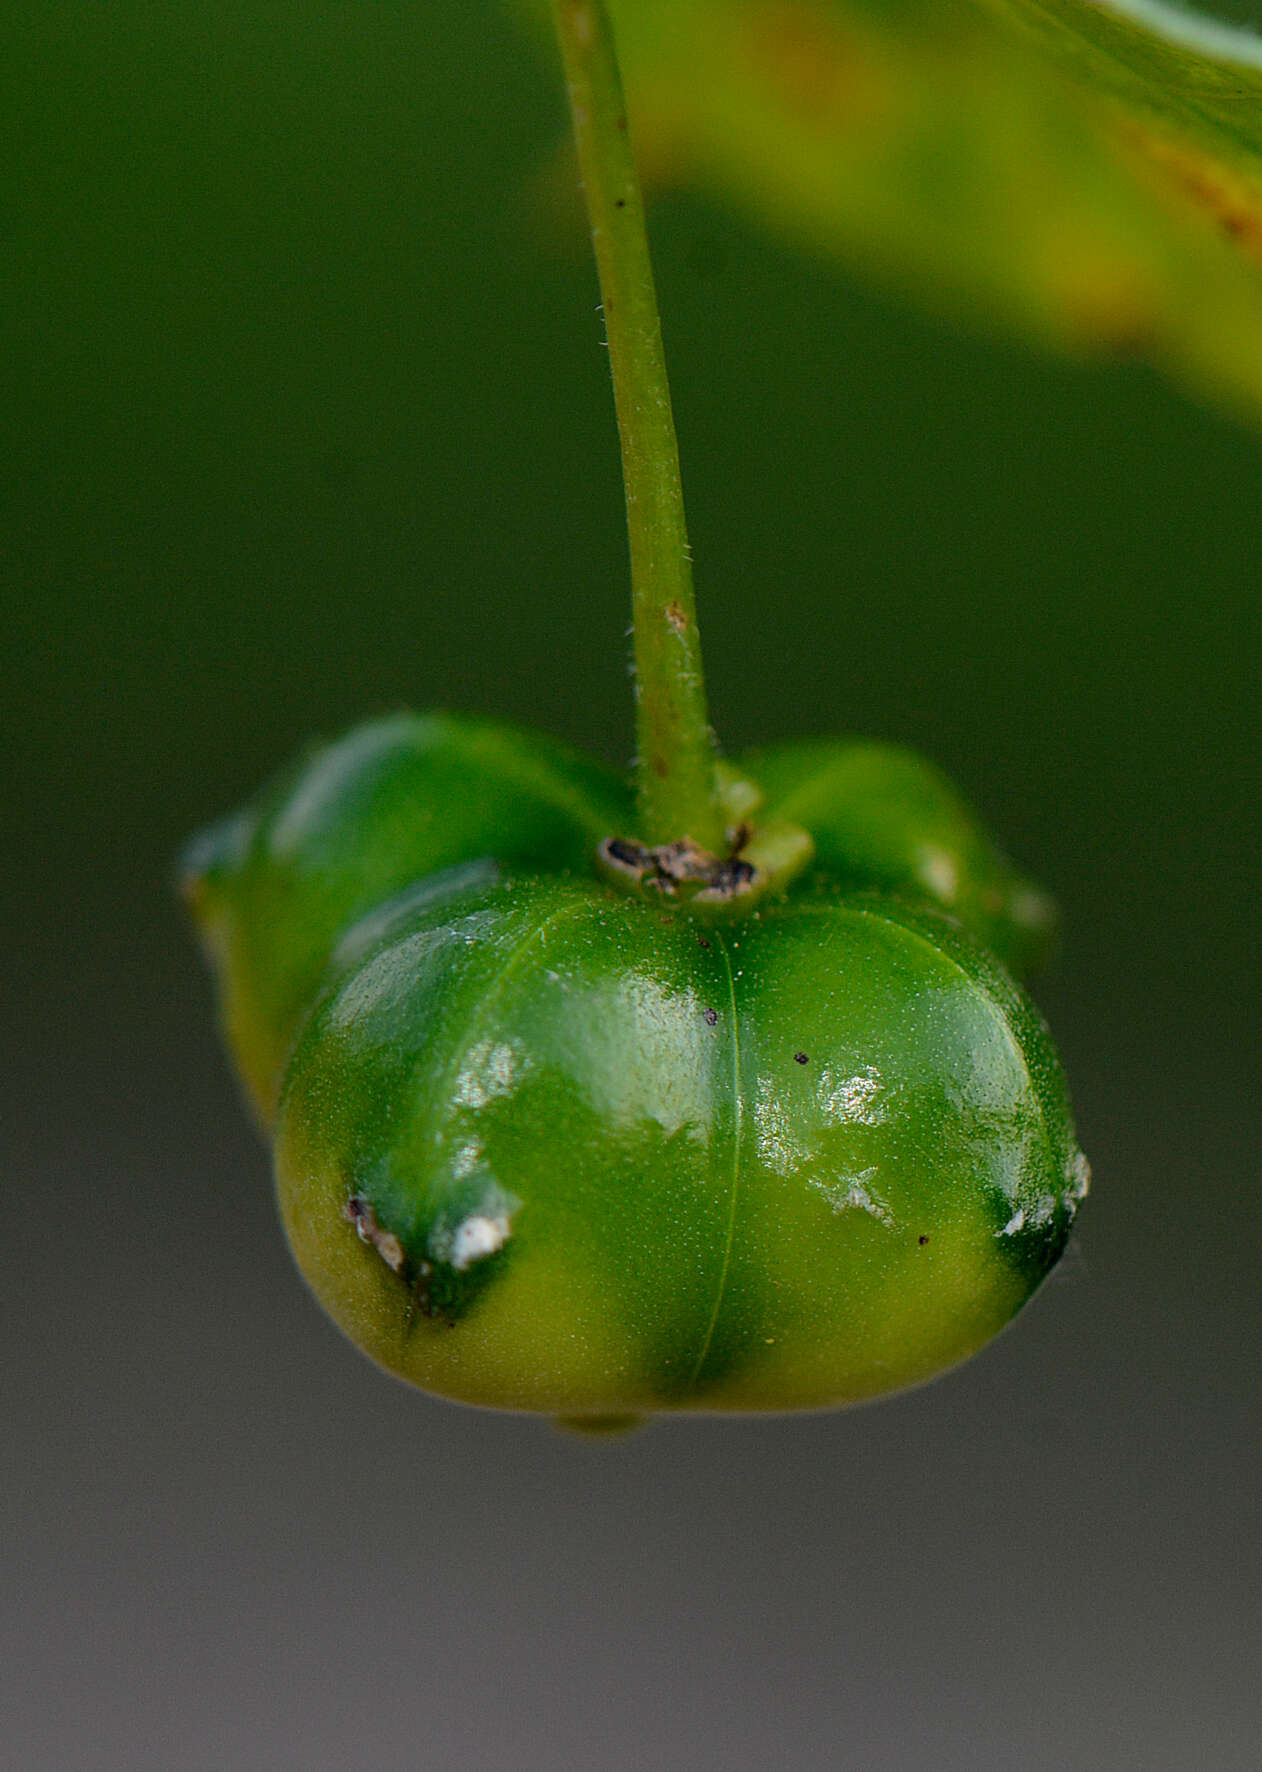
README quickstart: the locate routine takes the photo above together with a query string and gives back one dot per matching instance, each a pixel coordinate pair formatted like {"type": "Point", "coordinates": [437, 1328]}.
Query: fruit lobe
{"type": "Point", "coordinates": [544, 1148]}
{"type": "Point", "coordinates": [883, 817]}
{"type": "Point", "coordinates": [353, 822]}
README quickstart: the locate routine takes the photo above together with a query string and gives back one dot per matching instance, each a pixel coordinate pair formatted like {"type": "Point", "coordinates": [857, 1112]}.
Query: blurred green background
{"type": "Point", "coordinates": [305, 416]}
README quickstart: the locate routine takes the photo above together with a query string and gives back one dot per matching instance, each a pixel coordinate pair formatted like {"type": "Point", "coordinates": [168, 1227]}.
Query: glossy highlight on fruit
{"type": "Point", "coordinates": [547, 1149]}
{"type": "Point", "coordinates": [544, 1146]}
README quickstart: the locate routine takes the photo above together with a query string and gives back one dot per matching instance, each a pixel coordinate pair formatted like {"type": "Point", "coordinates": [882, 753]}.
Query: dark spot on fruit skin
{"type": "Point", "coordinates": [705, 944]}
{"type": "Point", "coordinates": [922, 1241]}
{"type": "Point", "coordinates": [1033, 1249]}
{"type": "Point", "coordinates": [419, 1278]}
{"type": "Point", "coordinates": [622, 850]}
{"type": "Point", "coordinates": [620, 203]}
{"type": "Point", "coordinates": [358, 1211]}
{"type": "Point", "coordinates": [800, 1058]}
{"type": "Point", "coordinates": [711, 1017]}
{"type": "Point", "coordinates": [437, 1290]}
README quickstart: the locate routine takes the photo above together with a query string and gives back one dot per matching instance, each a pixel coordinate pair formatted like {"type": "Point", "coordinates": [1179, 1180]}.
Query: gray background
{"type": "Point", "coordinates": [305, 417]}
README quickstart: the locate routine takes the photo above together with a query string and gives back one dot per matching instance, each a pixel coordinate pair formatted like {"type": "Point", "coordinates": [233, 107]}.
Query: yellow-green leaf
{"type": "Point", "coordinates": [1086, 174]}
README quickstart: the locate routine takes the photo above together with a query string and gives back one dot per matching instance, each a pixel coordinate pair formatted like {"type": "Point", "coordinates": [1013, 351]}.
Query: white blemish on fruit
{"type": "Point", "coordinates": [1078, 1183]}
{"type": "Point", "coordinates": [1033, 1218]}
{"type": "Point", "coordinates": [466, 1159]}
{"type": "Point", "coordinates": [852, 1098]}
{"type": "Point", "coordinates": [778, 1146]}
{"type": "Point", "coordinates": [476, 1238]}
{"type": "Point", "coordinates": [853, 1194]}
{"type": "Point", "coordinates": [488, 1073]}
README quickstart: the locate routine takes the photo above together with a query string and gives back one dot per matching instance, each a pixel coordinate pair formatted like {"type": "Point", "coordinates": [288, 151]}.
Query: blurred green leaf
{"type": "Point", "coordinates": [1089, 175]}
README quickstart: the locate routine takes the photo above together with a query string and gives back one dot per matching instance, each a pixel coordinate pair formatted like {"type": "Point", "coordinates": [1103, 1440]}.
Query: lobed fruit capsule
{"type": "Point", "coordinates": [273, 887]}
{"type": "Point", "coordinates": [544, 1146]}
{"type": "Point", "coordinates": [541, 1147]}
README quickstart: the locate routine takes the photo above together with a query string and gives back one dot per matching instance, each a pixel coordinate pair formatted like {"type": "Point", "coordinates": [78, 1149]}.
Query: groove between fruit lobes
{"type": "Point", "coordinates": [545, 1149]}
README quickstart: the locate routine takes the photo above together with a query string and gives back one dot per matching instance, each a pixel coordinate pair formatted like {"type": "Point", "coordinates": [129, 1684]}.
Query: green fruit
{"type": "Point", "coordinates": [542, 1147]}
{"type": "Point", "coordinates": [356, 821]}
{"type": "Point", "coordinates": [883, 817]}
{"type": "Point", "coordinates": [545, 1146]}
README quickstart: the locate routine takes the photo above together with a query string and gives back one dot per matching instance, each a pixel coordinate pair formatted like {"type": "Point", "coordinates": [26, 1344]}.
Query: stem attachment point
{"type": "Point", "coordinates": [685, 875]}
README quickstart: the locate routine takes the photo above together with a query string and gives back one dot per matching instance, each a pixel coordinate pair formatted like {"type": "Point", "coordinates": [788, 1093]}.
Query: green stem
{"type": "Point", "coordinates": [675, 763]}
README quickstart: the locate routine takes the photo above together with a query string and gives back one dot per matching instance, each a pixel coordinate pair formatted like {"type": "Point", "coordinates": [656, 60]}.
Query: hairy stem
{"type": "Point", "coordinates": [675, 762]}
